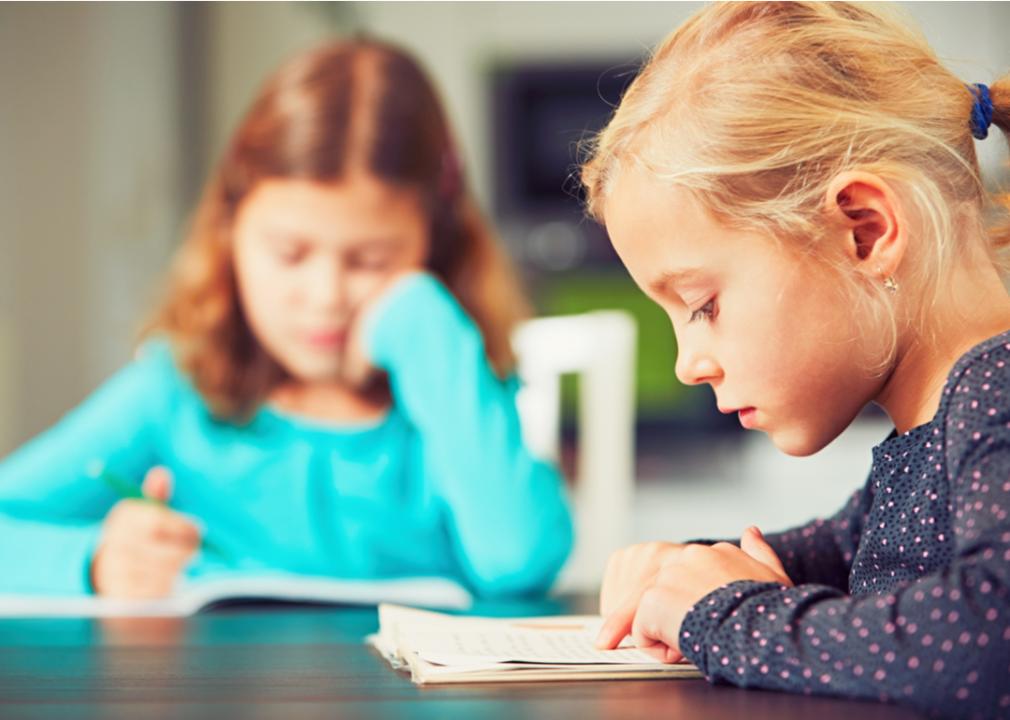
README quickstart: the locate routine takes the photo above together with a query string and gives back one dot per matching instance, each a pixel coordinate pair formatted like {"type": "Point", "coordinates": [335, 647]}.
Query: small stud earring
{"type": "Point", "coordinates": [889, 283]}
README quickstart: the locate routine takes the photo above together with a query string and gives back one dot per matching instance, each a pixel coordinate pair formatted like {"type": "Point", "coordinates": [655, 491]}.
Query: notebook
{"type": "Point", "coordinates": [201, 594]}
{"type": "Point", "coordinates": [439, 648]}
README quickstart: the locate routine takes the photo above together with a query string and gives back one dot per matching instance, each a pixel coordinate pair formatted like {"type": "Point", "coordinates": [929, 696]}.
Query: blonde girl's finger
{"type": "Point", "coordinates": [657, 650]}
{"type": "Point", "coordinates": [754, 544]}
{"type": "Point", "coordinates": [672, 656]}
{"type": "Point", "coordinates": [656, 620]}
{"type": "Point", "coordinates": [606, 587]}
{"type": "Point", "coordinates": [617, 625]}
{"type": "Point", "coordinates": [612, 582]}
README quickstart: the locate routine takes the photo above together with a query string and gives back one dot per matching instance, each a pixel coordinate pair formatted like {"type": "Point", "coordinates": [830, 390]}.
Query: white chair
{"type": "Point", "coordinates": [600, 347]}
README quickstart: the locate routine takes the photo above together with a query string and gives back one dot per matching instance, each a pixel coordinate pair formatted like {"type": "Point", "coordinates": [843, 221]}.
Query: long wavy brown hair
{"type": "Point", "coordinates": [346, 106]}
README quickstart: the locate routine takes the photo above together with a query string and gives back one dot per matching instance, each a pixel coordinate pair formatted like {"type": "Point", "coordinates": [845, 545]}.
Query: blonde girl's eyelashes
{"type": "Point", "coordinates": [705, 313]}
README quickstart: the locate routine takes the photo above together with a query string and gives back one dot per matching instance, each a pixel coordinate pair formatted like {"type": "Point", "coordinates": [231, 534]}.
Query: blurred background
{"type": "Point", "coordinates": [111, 116]}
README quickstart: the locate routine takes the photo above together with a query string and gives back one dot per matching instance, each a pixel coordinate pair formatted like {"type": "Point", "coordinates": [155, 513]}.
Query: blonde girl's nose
{"type": "Point", "coordinates": [695, 367]}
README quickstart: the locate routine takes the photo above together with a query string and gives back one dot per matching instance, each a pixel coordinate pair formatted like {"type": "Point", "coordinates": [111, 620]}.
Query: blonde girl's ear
{"type": "Point", "coordinates": [868, 222]}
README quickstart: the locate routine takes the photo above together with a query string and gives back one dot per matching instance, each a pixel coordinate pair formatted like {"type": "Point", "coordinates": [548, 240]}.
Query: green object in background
{"type": "Point", "coordinates": [658, 394]}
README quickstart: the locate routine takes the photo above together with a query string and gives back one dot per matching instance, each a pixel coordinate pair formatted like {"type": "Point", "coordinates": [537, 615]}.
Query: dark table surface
{"type": "Point", "coordinates": [291, 662]}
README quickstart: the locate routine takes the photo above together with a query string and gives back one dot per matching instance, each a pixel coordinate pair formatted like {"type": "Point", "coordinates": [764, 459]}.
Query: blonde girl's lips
{"type": "Point", "coordinates": [748, 417]}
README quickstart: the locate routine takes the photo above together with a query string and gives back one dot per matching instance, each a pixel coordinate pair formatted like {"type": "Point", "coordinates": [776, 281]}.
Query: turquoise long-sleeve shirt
{"type": "Point", "coordinates": [441, 485]}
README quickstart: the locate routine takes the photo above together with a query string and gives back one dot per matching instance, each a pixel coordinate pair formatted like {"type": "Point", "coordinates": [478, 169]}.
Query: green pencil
{"type": "Point", "coordinates": [129, 491]}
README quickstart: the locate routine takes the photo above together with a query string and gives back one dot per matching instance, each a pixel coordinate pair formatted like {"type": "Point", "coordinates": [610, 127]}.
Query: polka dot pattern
{"type": "Point", "coordinates": [904, 595]}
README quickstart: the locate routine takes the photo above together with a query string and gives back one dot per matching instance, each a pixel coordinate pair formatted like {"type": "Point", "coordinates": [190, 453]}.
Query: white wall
{"type": "Point", "coordinates": [89, 195]}
{"type": "Point", "coordinates": [133, 164]}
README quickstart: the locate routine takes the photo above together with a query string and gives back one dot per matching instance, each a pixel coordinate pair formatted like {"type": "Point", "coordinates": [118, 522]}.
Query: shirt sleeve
{"type": "Point", "coordinates": [51, 506]}
{"type": "Point", "coordinates": [507, 513]}
{"type": "Point", "coordinates": [940, 643]}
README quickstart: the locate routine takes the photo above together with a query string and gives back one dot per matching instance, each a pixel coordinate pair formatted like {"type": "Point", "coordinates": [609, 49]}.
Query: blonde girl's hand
{"type": "Point", "coordinates": [696, 572]}
{"type": "Point", "coordinates": [144, 545]}
{"type": "Point", "coordinates": [630, 571]}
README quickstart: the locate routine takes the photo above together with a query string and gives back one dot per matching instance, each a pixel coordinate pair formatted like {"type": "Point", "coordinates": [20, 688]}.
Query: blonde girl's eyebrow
{"type": "Point", "coordinates": [667, 281]}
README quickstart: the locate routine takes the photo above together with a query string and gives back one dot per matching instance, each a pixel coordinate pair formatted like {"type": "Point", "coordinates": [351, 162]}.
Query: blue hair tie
{"type": "Point", "coordinates": [981, 111]}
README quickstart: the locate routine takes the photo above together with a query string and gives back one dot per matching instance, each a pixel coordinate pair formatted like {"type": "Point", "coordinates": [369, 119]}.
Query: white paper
{"type": "Point", "coordinates": [197, 594]}
{"type": "Point", "coordinates": [468, 646]}
{"type": "Point", "coordinates": [440, 648]}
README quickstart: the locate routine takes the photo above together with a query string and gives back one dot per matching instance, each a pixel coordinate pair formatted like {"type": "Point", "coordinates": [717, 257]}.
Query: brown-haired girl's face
{"type": "Point", "coordinates": [767, 329]}
{"type": "Point", "coordinates": [309, 256]}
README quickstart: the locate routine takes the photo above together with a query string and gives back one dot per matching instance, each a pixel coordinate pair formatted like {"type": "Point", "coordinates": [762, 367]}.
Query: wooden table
{"type": "Point", "coordinates": [293, 662]}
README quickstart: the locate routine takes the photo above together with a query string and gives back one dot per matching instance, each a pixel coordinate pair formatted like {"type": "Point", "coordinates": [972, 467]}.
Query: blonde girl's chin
{"type": "Point", "coordinates": [795, 443]}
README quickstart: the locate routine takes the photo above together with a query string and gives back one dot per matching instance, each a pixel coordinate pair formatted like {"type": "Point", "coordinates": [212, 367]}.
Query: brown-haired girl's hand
{"type": "Point", "coordinates": [144, 545]}
{"type": "Point", "coordinates": [686, 575]}
{"type": "Point", "coordinates": [357, 365]}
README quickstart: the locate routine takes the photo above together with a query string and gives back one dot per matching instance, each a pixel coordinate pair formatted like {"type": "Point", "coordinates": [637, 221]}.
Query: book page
{"type": "Point", "coordinates": [38, 606]}
{"type": "Point", "coordinates": [196, 594]}
{"type": "Point", "coordinates": [519, 644]}
{"type": "Point", "coordinates": [440, 648]}
{"type": "Point", "coordinates": [425, 591]}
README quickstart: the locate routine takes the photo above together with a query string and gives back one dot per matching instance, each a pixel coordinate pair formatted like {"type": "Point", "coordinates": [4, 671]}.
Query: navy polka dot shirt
{"type": "Point", "coordinates": [904, 595]}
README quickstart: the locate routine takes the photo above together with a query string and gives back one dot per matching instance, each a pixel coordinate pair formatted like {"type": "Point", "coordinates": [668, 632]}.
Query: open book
{"type": "Point", "coordinates": [439, 648]}
{"type": "Point", "coordinates": [199, 594]}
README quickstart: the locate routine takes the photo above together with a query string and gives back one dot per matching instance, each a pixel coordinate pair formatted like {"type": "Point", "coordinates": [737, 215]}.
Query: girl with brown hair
{"type": "Point", "coordinates": [326, 386]}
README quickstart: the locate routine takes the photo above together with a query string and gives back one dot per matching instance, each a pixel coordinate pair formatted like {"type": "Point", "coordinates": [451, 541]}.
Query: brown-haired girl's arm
{"type": "Point", "coordinates": [505, 509]}
{"type": "Point", "coordinates": [51, 505]}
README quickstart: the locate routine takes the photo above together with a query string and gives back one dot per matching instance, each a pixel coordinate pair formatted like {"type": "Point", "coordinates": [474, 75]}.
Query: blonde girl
{"type": "Point", "coordinates": [796, 184]}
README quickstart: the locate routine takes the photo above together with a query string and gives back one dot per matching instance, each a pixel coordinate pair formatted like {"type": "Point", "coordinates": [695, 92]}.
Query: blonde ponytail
{"type": "Point", "coordinates": [999, 234]}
